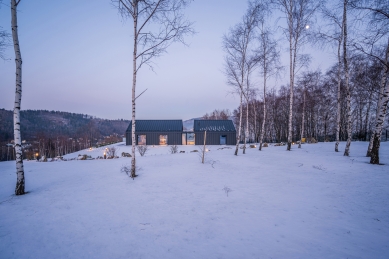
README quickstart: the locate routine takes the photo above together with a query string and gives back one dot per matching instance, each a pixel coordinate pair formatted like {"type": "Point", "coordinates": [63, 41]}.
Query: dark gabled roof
{"type": "Point", "coordinates": [156, 125]}
{"type": "Point", "coordinates": [214, 125]}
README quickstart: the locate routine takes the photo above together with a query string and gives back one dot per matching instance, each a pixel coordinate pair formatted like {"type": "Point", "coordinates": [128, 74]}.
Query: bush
{"type": "Point", "coordinates": [142, 149]}
{"type": "Point", "coordinates": [124, 154]}
{"type": "Point", "coordinates": [111, 151]}
{"type": "Point", "coordinates": [173, 149]}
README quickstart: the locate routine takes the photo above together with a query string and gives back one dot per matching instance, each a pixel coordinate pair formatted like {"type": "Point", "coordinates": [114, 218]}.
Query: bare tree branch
{"type": "Point", "coordinates": [156, 25]}
{"type": "Point", "coordinates": [141, 94]}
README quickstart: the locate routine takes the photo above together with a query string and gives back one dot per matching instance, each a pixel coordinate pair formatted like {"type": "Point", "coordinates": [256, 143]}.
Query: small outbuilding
{"type": "Point", "coordinates": [219, 132]}
{"type": "Point", "coordinates": [156, 132]}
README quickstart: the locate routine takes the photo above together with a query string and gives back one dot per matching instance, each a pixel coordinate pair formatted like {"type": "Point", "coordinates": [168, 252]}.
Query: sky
{"type": "Point", "coordinates": [77, 57]}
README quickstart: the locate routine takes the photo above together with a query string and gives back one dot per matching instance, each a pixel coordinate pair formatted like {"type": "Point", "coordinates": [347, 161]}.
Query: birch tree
{"type": "Point", "coordinates": [156, 25]}
{"type": "Point", "coordinates": [382, 109]}
{"type": "Point", "coordinates": [248, 93]}
{"type": "Point", "coordinates": [269, 63]}
{"type": "Point", "coordinates": [334, 34]}
{"type": "Point", "coordinates": [338, 96]}
{"type": "Point", "coordinates": [298, 15]}
{"type": "Point", "coordinates": [20, 182]}
{"type": "Point", "coordinates": [381, 93]}
{"type": "Point", "coordinates": [310, 80]}
{"type": "Point", "coordinates": [376, 33]}
{"type": "Point", "coordinates": [347, 84]}
{"type": "Point", "coordinates": [237, 44]}
{"type": "Point", "coordinates": [303, 115]}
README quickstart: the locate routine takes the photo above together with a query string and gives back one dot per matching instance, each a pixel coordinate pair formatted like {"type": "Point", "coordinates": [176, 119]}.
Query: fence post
{"type": "Point", "coordinates": [205, 138]}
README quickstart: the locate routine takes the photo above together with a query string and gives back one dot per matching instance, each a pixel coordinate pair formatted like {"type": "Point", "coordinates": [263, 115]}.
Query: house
{"type": "Point", "coordinates": [219, 132]}
{"type": "Point", "coordinates": [156, 132]}
{"type": "Point", "coordinates": [171, 132]}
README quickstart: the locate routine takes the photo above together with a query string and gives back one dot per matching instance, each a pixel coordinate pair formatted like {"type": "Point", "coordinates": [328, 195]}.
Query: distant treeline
{"type": "Point", "coordinates": [53, 124]}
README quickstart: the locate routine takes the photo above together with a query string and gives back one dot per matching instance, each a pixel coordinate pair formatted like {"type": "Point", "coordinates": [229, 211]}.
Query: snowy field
{"type": "Point", "coordinates": [307, 203]}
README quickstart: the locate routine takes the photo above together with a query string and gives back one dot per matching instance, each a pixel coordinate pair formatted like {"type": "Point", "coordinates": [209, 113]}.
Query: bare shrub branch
{"type": "Point", "coordinates": [173, 149]}
{"type": "Point", "coordinates": [142, 149]}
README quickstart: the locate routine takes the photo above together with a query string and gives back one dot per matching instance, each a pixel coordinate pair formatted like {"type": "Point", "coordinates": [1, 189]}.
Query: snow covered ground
{"type": "Point", "coordinates": [307, 203]}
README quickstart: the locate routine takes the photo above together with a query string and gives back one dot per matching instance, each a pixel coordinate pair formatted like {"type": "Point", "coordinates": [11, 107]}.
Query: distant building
{"type": "Point", "coordinates": [171, 132]}
{"type": "Point", "coordinates": [156, 132]}
{"type": "Point", "coordinates": [219, 132]}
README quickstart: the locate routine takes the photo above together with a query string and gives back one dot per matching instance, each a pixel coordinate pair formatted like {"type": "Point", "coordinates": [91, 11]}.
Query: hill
{"type": "Point", "coordinates": [57, 124]}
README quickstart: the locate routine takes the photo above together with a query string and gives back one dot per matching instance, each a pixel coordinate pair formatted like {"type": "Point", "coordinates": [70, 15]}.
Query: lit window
{"type": "Point", "coordinates": [163, 139]}
{"type": "Point", "coordinates": [183, 138]}
{"type": "Point", "coordinates": [141, 139]}
{"type": "Point", "coordinates": [190, 139]}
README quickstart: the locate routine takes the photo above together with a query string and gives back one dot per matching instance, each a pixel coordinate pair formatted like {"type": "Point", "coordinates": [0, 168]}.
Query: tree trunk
{"type": "Point", "coordinates": [303, 119]}
{"type": "Point", "coordinates": [240, 125]}
{"type": "Point", "coordinates": [255, 122]}
{"type": "Point", "coordinates": [382, 87]}
{"type": "Point", "coordinates": [134, 73]}
{"type": "Point", "coordinates": [291, 71]}
{"type": "Point", "coordinates": [380, 119]}
{"type": "Point", "coordinates": [264, 99]}
{"type": "Point", "coordinates": [339, 94]}
{"type": "Point", "coordinates": [367, 116]}
{"type": "Point", "coordinates": [247, 127]}
{"type": "Point", "coordinates": [292, 56]}
{"type": "Point", "coordinates": [205, 141]}
{"type": "Point", "coordinates": [264, 117]}
{"type": "Point", "coordinates": [348, 98]}
{"type": "Point", "coordinates": [20, 182]}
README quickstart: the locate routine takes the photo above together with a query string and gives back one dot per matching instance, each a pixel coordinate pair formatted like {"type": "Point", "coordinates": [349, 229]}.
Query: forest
{"type": "Point", "coordinates": [55, 133]}
{"type": "Point", "coordinates": [347, 102]}
{"type": "Point", "coordinates": [315, 95]}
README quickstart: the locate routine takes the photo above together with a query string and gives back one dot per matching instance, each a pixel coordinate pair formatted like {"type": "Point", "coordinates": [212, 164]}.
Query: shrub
{"type": "Point", "coordinates": [142, 149]}
{"type": "Point", "coordinates": [111, 151]}
{"type": "Point", "coordinates": [173, 149]}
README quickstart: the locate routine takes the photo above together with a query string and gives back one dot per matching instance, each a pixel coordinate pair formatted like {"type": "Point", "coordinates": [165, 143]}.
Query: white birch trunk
{"type": "Point", "coordinates": [205, 141]}
{"type": "Point", "coordinates": [381, 112]}
{"type": "Point", "coordinates": [247, 127]}
{"type": "Point", "coordinates": [292, 63]}
{"type": "Point", "coordinates": [367, 116]}
{"type": "Point", "coordinates": [291, 79]}
{"type": "Point", "coordinates": [240, 125]}
{"type": "Point", "coordinates": [339, 94]}
{"type": "Point", "coordinates": [302, 119]}
{"type": "Point", "coordinates": [348, 98]}
{"type": "Point", "coordinates": [264, 107]}
{"type": "Point", "coordinates": [20, 182]}
{"type": "Point", "coordinates": [291, 93]}
{"type": "Point", "coordinates": [134, 73]}
{"type": "Point", "coordinates": [255, 121]}
{"type": "Point", "coordinates": [382, 87]}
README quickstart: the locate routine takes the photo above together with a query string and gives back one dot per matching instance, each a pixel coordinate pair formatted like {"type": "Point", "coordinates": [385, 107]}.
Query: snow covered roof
{"type": "Point", "coordinates": [156, 125]}
{"type": "Point", "coordinates": [214, 125]}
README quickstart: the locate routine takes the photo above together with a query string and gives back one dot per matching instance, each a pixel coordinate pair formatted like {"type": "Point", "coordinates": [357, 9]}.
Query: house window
{"type": "Point", "coordinates": [141, 139]}
{"type": "Point", "coordinates": [190, 138]}
{"type": "Point", "coordinates": [223, 139]}
{"type": "Point", "coordinates": [163, 139]}
{"type": "Point", "coordinates": [183, 138]}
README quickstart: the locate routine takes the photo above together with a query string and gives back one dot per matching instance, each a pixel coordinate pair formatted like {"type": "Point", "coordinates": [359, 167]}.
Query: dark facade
{"type": "Point", "coordinates": [153, 132]}
{"type": "Point", "coordinates": [170, 132]}
{"type": "Point", "coordinates": [219, 132]}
